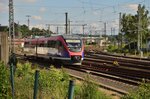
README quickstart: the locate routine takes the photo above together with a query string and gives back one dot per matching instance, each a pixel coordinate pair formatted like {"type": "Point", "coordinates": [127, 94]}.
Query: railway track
{"type": "Point", "coordinates": [130, 67]}
{"type": "Point", "coordinates": [118, 84]}
{"type": "Point", "coordinates": [111, 82]}
{"type": "Point", "coordinates": [119, 55]}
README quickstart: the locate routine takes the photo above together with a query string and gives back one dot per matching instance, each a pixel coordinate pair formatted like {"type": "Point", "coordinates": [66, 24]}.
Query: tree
{"type": "Point", "coordinates": [129, 27]}
{"type": "Point", "coordinates": [24, 30]}
{"type": "Point", "coordinates": [35, 31]}
{"type": "Point", "coordinates": [144, 21]}
{"type": "Point", "coordinates": [132, 24]}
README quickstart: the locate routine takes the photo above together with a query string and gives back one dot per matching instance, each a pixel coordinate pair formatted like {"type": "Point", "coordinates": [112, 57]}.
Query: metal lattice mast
{"type": "Point", "coordinates": [28, 21]}
{"type": "Point", "coordinates": [12, 58]}
{"type": "Point", "coordinates": [11, 25]}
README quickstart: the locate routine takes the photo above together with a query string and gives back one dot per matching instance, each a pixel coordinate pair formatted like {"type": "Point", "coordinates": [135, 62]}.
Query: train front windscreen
{"type": "Point", "coordinates": [74, 45]}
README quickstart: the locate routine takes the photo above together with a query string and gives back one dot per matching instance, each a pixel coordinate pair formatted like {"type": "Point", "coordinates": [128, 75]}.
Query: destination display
{"type": "Point", "coordinates": [73, 41]}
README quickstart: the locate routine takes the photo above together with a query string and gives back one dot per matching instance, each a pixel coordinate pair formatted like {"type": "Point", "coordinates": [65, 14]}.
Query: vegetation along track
{"type": "Point", "coordinates": [107, 81]}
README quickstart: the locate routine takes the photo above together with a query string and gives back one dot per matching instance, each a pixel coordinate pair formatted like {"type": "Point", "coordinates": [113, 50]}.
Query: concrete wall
{"type": "Point", "coordinates": [4, 47]}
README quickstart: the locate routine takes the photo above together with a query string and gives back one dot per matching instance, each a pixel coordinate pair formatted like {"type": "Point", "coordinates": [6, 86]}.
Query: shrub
{"type": "Point", "coordinates": [143, 92]}
{"type": "Point", "coordinates": [23, 69]}
{"type": "Point", "coordinates": [112, 48]}
{"type": "Point", "coordinates": [53, 84]}
{"type": "Point", "coordinates": [88, 90]}
{"type": "Point", "coordinates": [24, 81]}
{"type": "Point", "coordinates": [4, 82]}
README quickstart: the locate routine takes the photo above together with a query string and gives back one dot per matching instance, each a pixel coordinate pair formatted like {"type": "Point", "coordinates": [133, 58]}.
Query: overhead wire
{"type": "Point", "coordinates": [86, 5]}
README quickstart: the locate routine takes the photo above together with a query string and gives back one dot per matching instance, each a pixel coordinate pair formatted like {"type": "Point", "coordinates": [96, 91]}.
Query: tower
{"type": "Point", "coordinates": [11, 26]}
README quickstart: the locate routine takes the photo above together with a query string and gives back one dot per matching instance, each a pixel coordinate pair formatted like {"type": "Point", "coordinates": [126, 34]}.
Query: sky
{"type": "Point", "coordinates": [91, 13]}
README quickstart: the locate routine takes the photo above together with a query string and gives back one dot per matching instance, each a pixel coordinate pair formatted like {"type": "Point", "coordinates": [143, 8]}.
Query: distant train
{"type": "Point", "coordinates": [68, 49]}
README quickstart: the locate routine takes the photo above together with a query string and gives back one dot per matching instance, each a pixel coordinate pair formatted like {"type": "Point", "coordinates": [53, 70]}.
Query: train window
{"type": "Point", "coordinates": [51, 43]}
{"type": "Point", "coordinates": [41, 45]}
{"type": "Point", "coordinates": [74, 44]}
{"type": "Point", "coordinates": [48, 44]}
{"type": "Point", "coordinates": [60, 43]}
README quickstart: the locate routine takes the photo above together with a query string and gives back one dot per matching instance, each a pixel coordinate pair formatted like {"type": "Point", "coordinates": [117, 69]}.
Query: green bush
{"type": "Point", "coordinates": [89, 90]}
{"type": "Point", "coordinates": [143, 92]}
{"type": "Point", "coordinates": [4, 82]}
{"type": "Point", "coordinates": [24, 81]}
{"type": "Point", "coordinates": [53, 83]}
{"type": "Point", "coordinates": [112, 48]}
{"type": "Point", "coordinates": [23, 69]}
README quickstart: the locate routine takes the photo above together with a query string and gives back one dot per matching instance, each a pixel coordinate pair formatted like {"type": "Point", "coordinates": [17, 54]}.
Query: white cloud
{"type": "Point", "coordinates": [95, 13]}
{"type": "Point", "coordinates": [30, 1]}
{"type": "Point", "coordinates": [94, 25]}
{"type": "Point", "coordinates": [133, 6]}
{"type": "Point", "coordinates": [3, 7]}
{"type": "Point", "coordinates": [40, 26]}
{"type": "Point", "coordinates": [4, 1]}
{"type": "Point", "coordinates": [42, 9]}
{"type": "Point", "coordinates": [37, 17]}
{"type": "Point", "coordinates": [115, 23]}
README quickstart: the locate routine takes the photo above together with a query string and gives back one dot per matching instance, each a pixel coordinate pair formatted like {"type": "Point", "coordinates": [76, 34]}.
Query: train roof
{"type": "Point", "coordinates": [66, 36]}
{"type": "Point", "coordinates": [71, 36]}
{"type": "Point", "coordinates": [54, 36]}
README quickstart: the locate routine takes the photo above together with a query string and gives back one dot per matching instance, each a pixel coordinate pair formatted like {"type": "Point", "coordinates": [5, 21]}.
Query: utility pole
{"type": "Point", "coordinates": [11, 26]}
{"type": "Point", "coordinates": [18, 30]}
{"type": "Point", "coordinates": [139, 28]}
{"type": "Point", "coordinates": [120, 28]}
{"type": "Point", "coordinates": [139, 35]}
{"type": "Point", "coordinates": [28, 16]}
{"type": "Point", "coordinates": [105, 32]}
{"type": "Point", "coordinates": [66, 14]}
{"type": "Point", "coordinates": [111, 35]}
{"type": "Point", "coordinates": [140, 32]}
{"type": "Point", "coordinates": [114, 35]}
{"type": "Point", "coordinates": [69, 26]}
{"type": "Point", "coordinates": [57, 30]}
{"type": "Point", "coordinates": [48, 28]}
{"type": "Point", "coordinates": [83, 28]}
{"type": "Point", "coordinates": [141, 40]}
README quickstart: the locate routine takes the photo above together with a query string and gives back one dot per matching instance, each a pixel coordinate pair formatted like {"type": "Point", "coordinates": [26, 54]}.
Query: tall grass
{"type": "Point", "coordinates": [24, 81]}
{"type": "Point", "coordinates": [4, 82]}
{"type": "Point", "coordinates": [143, 92]}
{"type": "Point", "coordinates": [89, 90]}
{"type": "Point", "coordinates": [53, 84]}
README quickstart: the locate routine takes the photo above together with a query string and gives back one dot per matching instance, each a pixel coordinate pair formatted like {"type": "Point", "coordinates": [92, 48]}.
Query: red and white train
{"type": "Point", "coordinates": [68, 49]}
